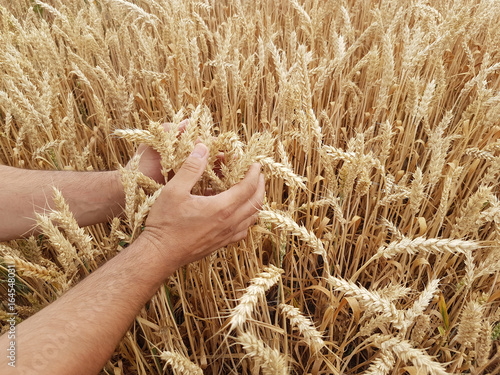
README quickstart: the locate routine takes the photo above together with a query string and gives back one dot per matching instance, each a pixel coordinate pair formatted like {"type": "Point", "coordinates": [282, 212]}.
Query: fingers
{"type": "Point", "coordinates": [247, 223]}
{"type": "Point", "coordinates": [242, 230]}
{"type": "Point", "coordinates": [254, 203]}
{"type": "Point", "coordinates": [241, 201]}
{"type": "Point", "coordinates": [258, 198]}
{"type": "Point", "coordinates": [239, 236]}
{"type": "Point", "coordinates": [244, 215]}
{"type": "Point", "coordinates": [191, 171]}
{"type": "Point", "coordinates": [181, 128]}
{"type": "Point", "coordinates": [245, 189]}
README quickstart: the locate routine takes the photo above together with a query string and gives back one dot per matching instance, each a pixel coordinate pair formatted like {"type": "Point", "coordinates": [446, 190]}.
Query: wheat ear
{"type": "Point", "coordinates": [421, 303]}
{"type": "Point", "coordinates": [144, 208]}
{"type": "Point", "coordinates": [180, 364]}
{"type": "Point", "coordinates": [369, 299]}
{"type": "Point", "coordinates": [67, 221]}
{"type": "Point", "coordinates": [33, 270]}
{"type": "Point", "coordinates": [135, 135]}
{"type": "Point", "coordinates": [148, 183]}
{"type": "Point", "coordinates": [421, 244]}
{"type": "Point", "coordinates": [270, 360]}
{"type": "Point", "coordinates": [382, 365]}
{"type": "Point", "coordinates": [297, 230]}
{"type": "Point", "coordinates": [305, 327]}
{"type": "Point", "coordinates": [257, 288]}
{"type": "Point", "coordinates": [291, 179]}
{"type": "Point", "coordinates": [66, 252]}
{"type": "Point", "coordinates": [403, 350]}
{"type": "Point", "coordinates": [470, 324]}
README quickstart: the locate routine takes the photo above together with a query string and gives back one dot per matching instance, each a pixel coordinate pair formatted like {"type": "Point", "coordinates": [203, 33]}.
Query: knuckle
{"type": "Point", "coordinates": [254, 219]}
{"type": "Point", "coordinates": [192, 165]}
{"type": "Point", "coordinates": [252, 186]}
{"type": "Point", "coordinates": [227, 231]}
{"type": "Point", "coordinates": [225, 213]}
{"type": "Point", "coordinates": [241, 236]}
{"type": "Point", "coordinates": [257, 203]}
{"type": "Point", "coordinates": [168, 190]}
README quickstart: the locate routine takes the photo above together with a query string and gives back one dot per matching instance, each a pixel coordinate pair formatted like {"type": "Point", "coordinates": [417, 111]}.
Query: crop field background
{"type": "Point", "coordinates": [377, 124]}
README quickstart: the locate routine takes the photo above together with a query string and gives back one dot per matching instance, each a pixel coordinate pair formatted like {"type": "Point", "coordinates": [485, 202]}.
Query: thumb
{"type": "Point", "coordinates": [192, 169]}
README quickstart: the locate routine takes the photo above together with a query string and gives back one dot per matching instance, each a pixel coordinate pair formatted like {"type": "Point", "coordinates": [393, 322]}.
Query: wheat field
{"type": "Point", "coordinates": [377, 124]}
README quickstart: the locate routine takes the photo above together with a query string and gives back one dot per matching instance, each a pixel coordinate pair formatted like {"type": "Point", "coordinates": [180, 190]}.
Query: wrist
{"type": "Point", "coordinates": [153, 253]}
{"type": "Point", "coordinates": [100, 196]}
{"type": "Point", "coordinates": [116, 193]}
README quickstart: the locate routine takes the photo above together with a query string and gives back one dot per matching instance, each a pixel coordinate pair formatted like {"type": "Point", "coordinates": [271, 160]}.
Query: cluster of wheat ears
{"type": "Point", "coordinates": [377, 124]}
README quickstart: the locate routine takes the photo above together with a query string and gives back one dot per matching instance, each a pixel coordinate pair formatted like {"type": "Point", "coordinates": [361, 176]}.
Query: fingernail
{"type": "Point", "coordinates": [199, 151]}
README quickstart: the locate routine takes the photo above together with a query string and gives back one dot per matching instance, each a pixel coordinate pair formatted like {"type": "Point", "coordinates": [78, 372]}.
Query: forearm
{"type": "Point", "coordinates": [78, 333]}
{"type": "Point", "coordinates": [93, 197]}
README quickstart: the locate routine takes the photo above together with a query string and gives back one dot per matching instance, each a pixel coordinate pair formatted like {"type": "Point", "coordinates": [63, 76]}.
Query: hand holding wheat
{"type": "Point", "coordinates": [185, 227]}
{"type": "Point", "coordinates": [181, 227]}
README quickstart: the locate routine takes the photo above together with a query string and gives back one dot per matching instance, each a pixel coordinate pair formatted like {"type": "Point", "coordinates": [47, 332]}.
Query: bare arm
{"type": "Point", "coordinates": [78, 333]}
{"type": "Point", "coordinates": [93, 197]}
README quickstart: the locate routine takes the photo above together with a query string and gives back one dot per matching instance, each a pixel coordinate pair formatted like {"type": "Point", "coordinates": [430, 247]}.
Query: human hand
{"type": "Point", "coordinates": [184, 228]}
{"type": "Point", "coordinates": [149, 163]}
